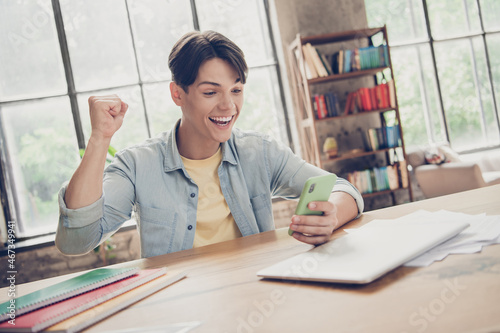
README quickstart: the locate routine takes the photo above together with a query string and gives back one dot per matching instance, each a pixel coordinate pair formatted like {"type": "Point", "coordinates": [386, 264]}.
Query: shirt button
{"type": "Point", "coordinates": [193, 195]}
{"type": "Point", "coordinates": [190, 227]}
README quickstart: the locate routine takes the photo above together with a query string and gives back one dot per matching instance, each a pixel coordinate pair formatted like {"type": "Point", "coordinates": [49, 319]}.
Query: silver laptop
{"type": "Point", "coordinates": [366, 253]}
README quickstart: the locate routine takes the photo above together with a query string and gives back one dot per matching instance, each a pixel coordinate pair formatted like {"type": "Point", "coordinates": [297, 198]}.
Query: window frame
{"type": "Point", "coordinates": [431, 41]}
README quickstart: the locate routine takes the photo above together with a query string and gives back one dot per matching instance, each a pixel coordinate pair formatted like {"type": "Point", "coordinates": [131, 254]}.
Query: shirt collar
{"type": "Point", "coordinates": [172, 160]}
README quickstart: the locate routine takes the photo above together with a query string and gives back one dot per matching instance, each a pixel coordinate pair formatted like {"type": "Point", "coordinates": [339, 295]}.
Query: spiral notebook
{"type": "Point", "coordinates": [37, 320]}
{"type": "Point", "coordinates": [66, 289]}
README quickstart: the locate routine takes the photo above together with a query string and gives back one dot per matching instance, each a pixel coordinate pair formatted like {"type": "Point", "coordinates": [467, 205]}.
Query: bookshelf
{"type": "Point", "coordinates": [342, 64]}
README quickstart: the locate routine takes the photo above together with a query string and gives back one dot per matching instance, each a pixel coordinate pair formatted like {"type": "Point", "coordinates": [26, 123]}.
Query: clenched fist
{"type": "Point", "coordinates": [106, 115]}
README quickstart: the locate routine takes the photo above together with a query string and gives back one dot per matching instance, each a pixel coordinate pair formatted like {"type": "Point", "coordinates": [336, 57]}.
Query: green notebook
{"type": "Point", "coordinates": [66, 289]}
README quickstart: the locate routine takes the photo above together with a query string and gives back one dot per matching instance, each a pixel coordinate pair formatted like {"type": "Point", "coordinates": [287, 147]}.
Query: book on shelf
{"type": "Point", "coordinates": [344, 61]}
{"type": "Point", "coordinates": [340, 62]}
{"type": "Point", "coordinates": [304, 70]}
{"type": "Point", "coordinates": [319, 106]}
{"type": "Point", "coordinates": [325, 105]}
{"type": "Point", "coordinates": [403, 173]}
{"type": "Point", "coordinates": [314, 61]}
{"type": "Point", "coordinates": [315, 55]}
{"type": "Point", "coordinates": [325, 62]}
{"type": "Point", "coordinates": [47, 316]}
{"type": "Point", "coordinates": [392, 175]}
{"type": "Point", "coordinates": [377, 179]}
{"type": "Point", "coordinates": [351, 60]}
{"type": "Point", "coordinates": [381, 138]}
{"type": "Point", "coordinates": [347, 61]}
{"type": "Point", "coordinates": [309, 63]}
{"type": "Point", "coordinates": [332, 104]}
{"type": "Point", "coordinates": [379, 97]}
{"type": "Point", "coordinates": [391, 93]}
{"type": "Point", "coordinates": [66, 289]}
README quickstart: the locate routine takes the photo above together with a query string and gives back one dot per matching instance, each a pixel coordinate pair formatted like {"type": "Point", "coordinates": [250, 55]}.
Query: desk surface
{"type": "Point", "coordinates": [222, 291]}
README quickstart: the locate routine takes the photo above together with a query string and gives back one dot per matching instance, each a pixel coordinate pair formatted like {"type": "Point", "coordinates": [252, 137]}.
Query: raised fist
{"type": "Point", "coordinates": [106, 115]}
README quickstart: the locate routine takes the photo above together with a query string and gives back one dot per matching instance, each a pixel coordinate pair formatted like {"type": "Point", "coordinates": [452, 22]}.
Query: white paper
{"type": "Point", "coordinates": [483, 230]}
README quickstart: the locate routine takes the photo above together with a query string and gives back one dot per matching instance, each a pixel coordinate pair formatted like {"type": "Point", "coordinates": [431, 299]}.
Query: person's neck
{"type": "Point", "coordinates": [192, 147]}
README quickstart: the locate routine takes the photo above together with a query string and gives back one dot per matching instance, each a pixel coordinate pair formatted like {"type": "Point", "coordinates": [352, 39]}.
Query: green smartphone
{"type": "Point", "coordinates": [315, 189]}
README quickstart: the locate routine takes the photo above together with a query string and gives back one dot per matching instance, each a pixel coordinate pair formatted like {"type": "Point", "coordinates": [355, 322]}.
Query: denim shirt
{"type": "Point", "coordinates": [150, 179]}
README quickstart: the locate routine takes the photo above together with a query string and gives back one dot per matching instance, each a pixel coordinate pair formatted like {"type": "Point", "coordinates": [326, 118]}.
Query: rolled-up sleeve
{"type": "Point", "coordinates": [82, 217]}
{"type": "Point", "coordinates": [79, 230]}
{"type": "Point", "coordinates": [343, 185]}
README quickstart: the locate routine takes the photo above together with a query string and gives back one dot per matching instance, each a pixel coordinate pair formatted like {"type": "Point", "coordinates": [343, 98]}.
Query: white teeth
{"type": "Point", "coordinates": [221, 118]}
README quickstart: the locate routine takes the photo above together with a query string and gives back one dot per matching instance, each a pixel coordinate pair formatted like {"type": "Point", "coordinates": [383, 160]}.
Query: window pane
{"type": "Point", "coordinates": [133, 130]}
{"type": "Point", "coordinates": [490, 10]}
{"type": "Point", "coordinates": [30, 57]}
{"type": "Point", "coordinates": [453, 17]}
{"type": "Point", "coordinates": [489, 119]}
{"type": "Point", "coordinates": [244, 22]}
{"type": "Point", "coordinates": [157, 26]}
{"type": "Point", "coordinates": [467, 105]}
{"type": "Point", "coordinates": [162, 111]}
{"type": "Point", "coordinates": [43, 151]}
{"type": "Point", "coordinates": [417, 95]}
{"type": "Point", "coordinates": [494, 56]}
{"type": "Point", "coordinates": [261, 108]}
{"type": "Point", "coordinates": [404, 19]}
{"type": "Point", "coordinates": [99, 42]}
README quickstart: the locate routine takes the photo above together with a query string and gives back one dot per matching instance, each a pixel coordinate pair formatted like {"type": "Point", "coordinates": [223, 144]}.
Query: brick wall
{"type": "Point", "coordinates": [48, 262]}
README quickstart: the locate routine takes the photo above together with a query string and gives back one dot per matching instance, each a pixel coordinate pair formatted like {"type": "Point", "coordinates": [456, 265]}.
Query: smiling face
{"type": "Point", "coordinates": [210, 108]}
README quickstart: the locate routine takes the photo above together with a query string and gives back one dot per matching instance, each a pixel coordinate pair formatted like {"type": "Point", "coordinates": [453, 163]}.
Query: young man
{"type": "Point", "coordinates": [199, 183]}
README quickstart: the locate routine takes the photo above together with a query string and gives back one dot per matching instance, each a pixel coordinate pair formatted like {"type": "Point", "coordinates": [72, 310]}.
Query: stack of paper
{"type": "Point", "coordinates": [482, 231]}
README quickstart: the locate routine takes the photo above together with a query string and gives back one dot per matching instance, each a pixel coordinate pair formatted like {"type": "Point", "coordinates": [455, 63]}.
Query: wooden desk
{"type": "Point", "coordinates": [459, 294]}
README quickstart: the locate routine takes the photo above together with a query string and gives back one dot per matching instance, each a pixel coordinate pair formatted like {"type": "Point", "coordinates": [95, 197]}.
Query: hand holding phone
{"type": "Point", "coordinates": [315, 189]}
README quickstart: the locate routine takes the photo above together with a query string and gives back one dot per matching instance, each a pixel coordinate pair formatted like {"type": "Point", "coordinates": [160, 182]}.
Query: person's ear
{"type": "Point", "coordinates": [176, 93]}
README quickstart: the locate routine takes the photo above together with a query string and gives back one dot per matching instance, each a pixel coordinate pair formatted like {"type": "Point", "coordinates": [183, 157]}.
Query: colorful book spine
{"type": "Point", "coordinates": [379, 97]}
{"type": "Point", "coordinates": [382, 138]}
{"type": "Point", "coordinates": [375, 179]}
{"type": "Point", "coordinates": [351, 60]}
{"type": "Point", "coordinates": [325, 105]}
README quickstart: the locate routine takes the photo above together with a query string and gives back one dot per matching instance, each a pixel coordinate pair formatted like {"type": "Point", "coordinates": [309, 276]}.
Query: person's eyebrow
{"type": "Point", "coordinates": [210, 83]}
{"type": "Point", "coordinates": [215, 83]}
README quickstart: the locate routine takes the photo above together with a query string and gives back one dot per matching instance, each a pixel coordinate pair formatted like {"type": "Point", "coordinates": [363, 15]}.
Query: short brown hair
{"type": "Point", "coordinates": [192, 49]}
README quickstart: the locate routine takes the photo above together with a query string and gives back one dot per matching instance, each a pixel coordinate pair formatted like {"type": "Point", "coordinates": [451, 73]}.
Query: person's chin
{"type": "Point", "coordinates": [223, 138]}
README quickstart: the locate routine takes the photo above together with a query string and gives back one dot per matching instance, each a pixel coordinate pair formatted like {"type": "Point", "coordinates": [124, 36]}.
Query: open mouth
{"type": "Point", "coordinates": [221, 121]}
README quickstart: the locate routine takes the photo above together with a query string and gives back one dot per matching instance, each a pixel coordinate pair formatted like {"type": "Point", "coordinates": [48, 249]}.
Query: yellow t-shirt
{"type": "Point", "coordinates": [214, 221]}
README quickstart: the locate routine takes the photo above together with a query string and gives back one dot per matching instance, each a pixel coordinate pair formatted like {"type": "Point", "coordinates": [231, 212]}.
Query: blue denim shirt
{"type": "Point", "coordinates": [150, 180]}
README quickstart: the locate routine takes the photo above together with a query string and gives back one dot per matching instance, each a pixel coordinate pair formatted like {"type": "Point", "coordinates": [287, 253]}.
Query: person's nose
{"type": "Point", "coordinates": [227, 103]}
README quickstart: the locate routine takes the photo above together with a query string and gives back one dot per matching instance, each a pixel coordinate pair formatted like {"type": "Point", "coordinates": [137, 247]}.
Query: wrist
{"type": "Point", "coordinates": [97, 146]}
{"type": "Point", "coordinates": [99, 141]}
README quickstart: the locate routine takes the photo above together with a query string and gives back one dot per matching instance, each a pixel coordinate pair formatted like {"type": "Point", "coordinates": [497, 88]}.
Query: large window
{"type": "Point", "coordinates": [54, 54]}
{"type": "Point", "coordinates": [446, 58]}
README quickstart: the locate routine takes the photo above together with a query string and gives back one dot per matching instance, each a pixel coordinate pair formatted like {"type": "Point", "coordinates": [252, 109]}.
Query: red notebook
{"type": "Point", "coordinates": [42, 318]}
